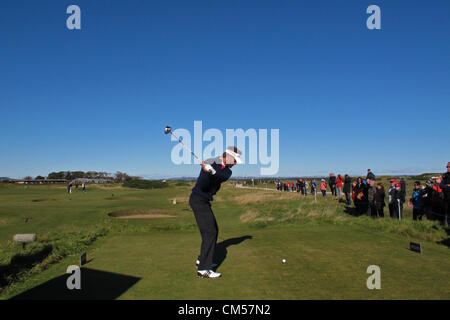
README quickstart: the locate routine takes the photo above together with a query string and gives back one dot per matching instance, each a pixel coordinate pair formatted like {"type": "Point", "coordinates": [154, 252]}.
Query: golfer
{"type": "Point", "coordinates": [214, 172]}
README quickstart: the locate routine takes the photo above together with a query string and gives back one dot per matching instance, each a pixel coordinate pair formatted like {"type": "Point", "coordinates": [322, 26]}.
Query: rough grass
{"type": "Point", "coordinates": [285, 207]}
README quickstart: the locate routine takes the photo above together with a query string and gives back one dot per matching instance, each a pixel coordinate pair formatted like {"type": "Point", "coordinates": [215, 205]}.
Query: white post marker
{"type": "Point", "coordinates": [24, 238]}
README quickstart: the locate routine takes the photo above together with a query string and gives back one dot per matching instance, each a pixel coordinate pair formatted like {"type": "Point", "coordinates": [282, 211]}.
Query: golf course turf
{"type": "Point", "coordinates": [327, 250]}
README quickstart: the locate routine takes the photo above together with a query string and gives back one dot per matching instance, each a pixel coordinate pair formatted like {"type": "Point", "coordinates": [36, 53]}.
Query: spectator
{"type": "Point", "coordinates": [391, 196]}
{"type": "Point", "coordinates": [301, 185]}
{"type": "Point", "coordinates": [306, 185]}
{"type": "Point", "coordinates": [379, 200]}
{"type": "Point", "coordinates": [313, 186]}
{"type": "Point", "coordinates": [371, 191]}
{"type": "Point", "coordinates": [445, 186]}
{"type": "Point", "coordinates": [403, 187]}
{"type": "Point", "coordinates": [323, 187]}
{"type": "Point", "coordinates": [427, 196]}
{"type": "Point", "coordinates": [364, 202]}
{"type": "Point", "coordinates": [332, 183]}
{"type": "Point", "coordinates": [353, 191]}
{"type": "Point", "coordinates": [399, 200]}
{"type": "Point", "coordinates": [339, 182]}
{"type": "Point", "coordinates": [370, 175]}
{"type": "Point", "coordinates": [359, 195]}
{"type": "Point", "coordinates": [417, 201]}
{"type": "Point", "coordinates": [347, 188]}
{"type": "Point", "coordinates": [437, 196]}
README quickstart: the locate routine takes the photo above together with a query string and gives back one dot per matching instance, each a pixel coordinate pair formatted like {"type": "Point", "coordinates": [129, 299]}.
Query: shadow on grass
{"type": "Point", "coordinates": [95, 285]}
{"type": "Point", "coordinates": [352, 211]}
{"type": "Point", "coordinates": [21, 263]}
{"type": "Point", "coordinates": [220, 252]}
{"type": "Point", "coordinates": [446, 242]}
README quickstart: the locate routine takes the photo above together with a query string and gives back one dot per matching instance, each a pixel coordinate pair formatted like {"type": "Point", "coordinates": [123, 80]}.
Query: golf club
{"type": "Point", "coordinates": [168, 130]}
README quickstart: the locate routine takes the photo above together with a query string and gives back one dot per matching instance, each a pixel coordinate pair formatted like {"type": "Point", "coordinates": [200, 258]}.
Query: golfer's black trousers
{"type": "Point", "coordinates": [208, 229]}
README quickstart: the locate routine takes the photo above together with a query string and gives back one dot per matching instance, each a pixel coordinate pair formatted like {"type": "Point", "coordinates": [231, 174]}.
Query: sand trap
{"type": "Point", "coordinates": [2, 222]}
{"type": "Point", "coordinates": [145, 216]}
{"type": "Point", "coordinates": [140, 214]}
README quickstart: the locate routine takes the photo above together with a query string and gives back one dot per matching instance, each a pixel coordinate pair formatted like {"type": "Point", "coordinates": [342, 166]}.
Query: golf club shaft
{"type": "Point", "coordinates": [185, 146]}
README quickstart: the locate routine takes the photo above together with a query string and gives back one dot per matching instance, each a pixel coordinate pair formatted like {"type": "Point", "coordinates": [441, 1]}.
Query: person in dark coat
{"type": "Point", "coordinates": [379, 200]}
{"type": "Point", "coordinates": [417, 201]}
{"type": "Point", "coordinates": [348, 189]}
{"type": "Point", "coordinates": [399, 200]}
{"type": "Point", "coordinates": [359, 194]}
{"type": "Point", "coordinates": [370, 175]}
{"type": "Point", "coordinates": [391, 194]}
{"type": "Point", "coordinates": [445, 186]}
{"type": "Point", "coordinates": [213, 173]}
{"type": "Point", "coordinates": [332, 183]}
{"type": "Point", "coordinates": [301, 185]}
{"type": "Point", "coordinates": [403, 188]}
{"type": "Point", "coordinates": [371, 191]}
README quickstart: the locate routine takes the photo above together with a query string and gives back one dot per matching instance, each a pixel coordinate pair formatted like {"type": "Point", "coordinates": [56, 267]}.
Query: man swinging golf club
{"type": "Point", "coordinates": [214, 171]}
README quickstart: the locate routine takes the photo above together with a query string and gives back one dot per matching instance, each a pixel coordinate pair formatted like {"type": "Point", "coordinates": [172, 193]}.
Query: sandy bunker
{"type": "Point", "coordinates": [140, 214]}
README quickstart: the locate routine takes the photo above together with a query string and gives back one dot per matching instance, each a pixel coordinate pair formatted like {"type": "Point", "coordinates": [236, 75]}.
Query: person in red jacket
{"type": "Point", "coordinates": [339, 181]}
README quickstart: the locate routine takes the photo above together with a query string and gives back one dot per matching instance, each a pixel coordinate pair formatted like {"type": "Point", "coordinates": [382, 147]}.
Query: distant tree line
{"type": "Point", "coordinates": [71, 175]}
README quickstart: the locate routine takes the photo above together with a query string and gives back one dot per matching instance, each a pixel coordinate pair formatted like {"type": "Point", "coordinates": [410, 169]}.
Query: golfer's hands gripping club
{"type": "Point", "coordinates": [208, 168]}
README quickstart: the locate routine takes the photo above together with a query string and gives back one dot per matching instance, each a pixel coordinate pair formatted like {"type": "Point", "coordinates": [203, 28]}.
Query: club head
{"type": "Point", "coordinates": [167, 130]}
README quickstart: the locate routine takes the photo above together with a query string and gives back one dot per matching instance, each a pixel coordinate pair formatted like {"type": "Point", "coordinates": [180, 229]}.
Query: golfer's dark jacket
{"type": "Point", "coordinates": [207, 184]}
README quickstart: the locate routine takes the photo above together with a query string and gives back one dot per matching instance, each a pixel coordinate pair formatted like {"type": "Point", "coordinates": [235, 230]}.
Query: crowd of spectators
{"type": "Point", "coordinates": [369, 197]}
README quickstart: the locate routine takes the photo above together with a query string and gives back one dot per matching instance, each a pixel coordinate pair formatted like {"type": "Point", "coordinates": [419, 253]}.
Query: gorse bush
{"type": "Point", "coordinates": [145, 184]}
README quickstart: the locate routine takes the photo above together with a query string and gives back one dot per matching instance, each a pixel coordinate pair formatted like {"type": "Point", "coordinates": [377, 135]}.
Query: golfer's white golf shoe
{"type": "Point", "coordinates": [208, 274]}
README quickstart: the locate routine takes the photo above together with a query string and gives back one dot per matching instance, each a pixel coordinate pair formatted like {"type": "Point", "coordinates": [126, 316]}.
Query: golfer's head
{"type": "Point", "coordinates": [232, 156]}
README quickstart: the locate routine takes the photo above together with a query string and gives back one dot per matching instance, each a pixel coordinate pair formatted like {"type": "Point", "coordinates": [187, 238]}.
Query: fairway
{"type": "Point", "coordinates": [327, 250]}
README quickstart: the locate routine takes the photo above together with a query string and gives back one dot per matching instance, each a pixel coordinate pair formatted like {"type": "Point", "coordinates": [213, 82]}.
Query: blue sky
{"type": "Point", "coordinates": [344, 98]}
